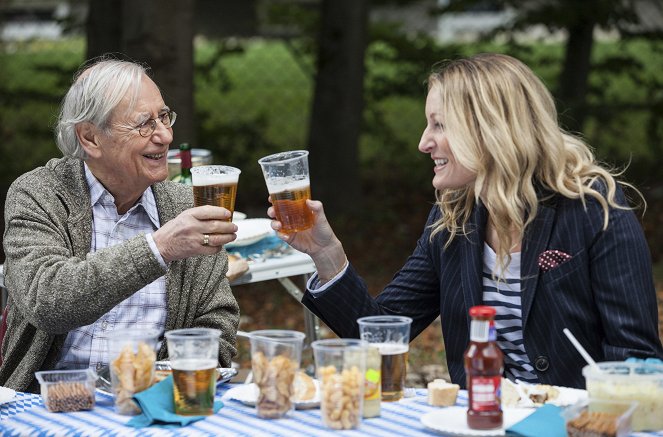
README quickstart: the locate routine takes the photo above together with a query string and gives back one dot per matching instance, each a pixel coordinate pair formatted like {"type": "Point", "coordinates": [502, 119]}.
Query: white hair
{"type": "Point", "coordinates": [96, 92]}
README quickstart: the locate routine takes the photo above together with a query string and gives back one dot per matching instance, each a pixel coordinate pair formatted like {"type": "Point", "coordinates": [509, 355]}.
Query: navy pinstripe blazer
{"type": "Point", "coordinates": [604, 294]}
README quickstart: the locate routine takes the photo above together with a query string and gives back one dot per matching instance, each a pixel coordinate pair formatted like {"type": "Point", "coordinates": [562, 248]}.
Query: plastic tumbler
{"type": "Point", "coordinates": [340, 366]}
{"type": "Point", "coordinates": [391, 335]}
{"type": "Point", "coordinates": [215, 185]}
{"type": "Point", "coordinates": [194, 357]}
{"type": "Point", "coordinates": [287, 178]}
{"type": "Point", "coordinates": [132, 356]}
{"type": "Point", "coordinates": [275, 358]}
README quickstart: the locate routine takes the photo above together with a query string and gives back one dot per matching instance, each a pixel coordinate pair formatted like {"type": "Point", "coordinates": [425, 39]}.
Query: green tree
{"type": "Point", "coordinates": [338, 103]}
{"type": "Point", "coordinates": [579, 20]}
{"type": "Point", "coordinates": [158, 33]}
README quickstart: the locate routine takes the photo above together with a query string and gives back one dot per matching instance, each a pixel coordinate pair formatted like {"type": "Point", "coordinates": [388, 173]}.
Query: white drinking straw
{"type": "Point", "coordinates": [582, 350]}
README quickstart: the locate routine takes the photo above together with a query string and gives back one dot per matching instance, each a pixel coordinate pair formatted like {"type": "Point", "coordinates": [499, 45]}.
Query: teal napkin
{"type": "Point", "coordinates": [159, 408]}
{"type": "Point", "coordinates": [546, 421]}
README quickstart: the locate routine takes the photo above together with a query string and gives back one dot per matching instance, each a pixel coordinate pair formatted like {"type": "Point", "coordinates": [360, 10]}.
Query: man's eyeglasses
{"type": "Point", "coordinates": [148, 127]}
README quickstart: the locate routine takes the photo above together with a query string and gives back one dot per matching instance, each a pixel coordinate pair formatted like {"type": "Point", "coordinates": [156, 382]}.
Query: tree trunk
{"type": "Point", "coordinates": [104, 28]}
{"type": "Point", "coordinates": [574, 78]}
{"type": "Point", "coordinates": [338, 104]}
{"type": "Point", "coordinates": [159, 34]}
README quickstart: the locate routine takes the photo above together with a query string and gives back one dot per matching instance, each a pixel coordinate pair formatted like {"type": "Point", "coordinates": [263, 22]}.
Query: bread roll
{"type": "Point", "coordinates": [441, 393]}
{"type": "Point", "coordinates": [304, 387]}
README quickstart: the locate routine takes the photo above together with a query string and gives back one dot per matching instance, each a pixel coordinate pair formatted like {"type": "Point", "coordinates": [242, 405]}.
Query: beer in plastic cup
{"type": "Point", "coordinates": [193, 355]}
{"type": "Point", "coordinates": [287, 178]}
{"type": "Point", "coordinates": [391, 335]}
{"type": "Point", "coordinates": [215, 185]}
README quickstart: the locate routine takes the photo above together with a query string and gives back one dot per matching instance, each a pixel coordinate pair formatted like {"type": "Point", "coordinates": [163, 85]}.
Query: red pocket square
{"type": "Point", "coordinates": [552, 258]}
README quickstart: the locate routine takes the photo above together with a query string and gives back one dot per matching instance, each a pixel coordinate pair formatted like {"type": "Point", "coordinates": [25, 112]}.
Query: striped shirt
{"type": "Point", "coordinates": [86, 346]}
{"type": "Point", "coordinates": [505, 297]}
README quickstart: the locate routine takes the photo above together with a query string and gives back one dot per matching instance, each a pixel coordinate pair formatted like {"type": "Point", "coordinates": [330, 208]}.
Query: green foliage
{"type": "Point", "coordinates": [33, 78]}
{"type": "Point", "coordinates": [253, 98]}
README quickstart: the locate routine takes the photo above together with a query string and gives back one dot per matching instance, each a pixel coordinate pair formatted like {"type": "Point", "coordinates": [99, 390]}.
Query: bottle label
{"type": "Point", "coordinates": [492, 332]}
{"type": "Point", "coordinates": [372, 385]}
{"type": "Point", "coordinates": [185, 158]}
{"type": "Point", "coordinates": [479, 331]}
{"type": "Point", "coordinates": [485, 393]}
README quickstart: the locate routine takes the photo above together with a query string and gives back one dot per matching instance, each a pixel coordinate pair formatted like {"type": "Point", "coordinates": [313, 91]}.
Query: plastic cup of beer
{"type": "Point", "coordinates": [193, 355]}
{"type": "Point", "coordinates": [340, 366]}
{"type": "Point", "coordinates": [391, 335]}
{"type": "Point", "coordinates": [287, 178]}
{"type": "Point", "coordinates": [215, 185]}
{"type": "Point", "coordinates": [131, 361]}
{"type": "Point", "coordinates": [275, 359]}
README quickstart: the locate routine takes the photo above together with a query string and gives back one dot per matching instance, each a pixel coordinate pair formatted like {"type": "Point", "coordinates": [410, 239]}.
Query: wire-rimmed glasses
{"type": "Point", "coordinates": [148, 127]}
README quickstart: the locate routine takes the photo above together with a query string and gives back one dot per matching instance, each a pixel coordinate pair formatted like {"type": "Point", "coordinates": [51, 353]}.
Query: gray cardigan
{"type": "Point", "coordinates": [55, 284]}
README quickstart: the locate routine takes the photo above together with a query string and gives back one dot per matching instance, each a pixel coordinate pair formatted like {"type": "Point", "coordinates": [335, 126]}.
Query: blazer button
{"type": "Point", "coordinates": [541, 363]}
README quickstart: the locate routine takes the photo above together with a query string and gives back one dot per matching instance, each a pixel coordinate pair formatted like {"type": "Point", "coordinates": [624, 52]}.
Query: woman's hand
{"type": "Point", "coordinates": [197, 231]}
{"type": "Point", "coordinates": [319, 242]}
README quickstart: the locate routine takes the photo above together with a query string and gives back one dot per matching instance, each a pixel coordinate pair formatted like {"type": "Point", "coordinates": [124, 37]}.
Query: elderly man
{"type": "Point", "coordinates": [98, 240]}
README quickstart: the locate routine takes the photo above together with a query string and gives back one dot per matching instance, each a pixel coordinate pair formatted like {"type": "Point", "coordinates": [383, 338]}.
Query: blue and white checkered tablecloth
{"type": "Point", "coordinates": [27, 416]}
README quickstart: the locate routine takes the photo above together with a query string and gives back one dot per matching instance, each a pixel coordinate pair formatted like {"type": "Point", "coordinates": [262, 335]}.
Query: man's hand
{"type": "Point", "coordinates": [196, 231]}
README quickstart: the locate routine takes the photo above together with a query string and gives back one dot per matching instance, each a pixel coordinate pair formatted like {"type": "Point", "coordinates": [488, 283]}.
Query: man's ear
{"type": "Point", "coordinates": [87, 135]}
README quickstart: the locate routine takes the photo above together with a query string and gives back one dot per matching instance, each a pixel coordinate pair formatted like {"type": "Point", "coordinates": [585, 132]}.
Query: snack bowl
{"type": "Point", "coordinates": [626, 381]}
{"type": "Point", "coordinates": [593, 417]}
{"type": "Point", "coordinates": [67, 390]}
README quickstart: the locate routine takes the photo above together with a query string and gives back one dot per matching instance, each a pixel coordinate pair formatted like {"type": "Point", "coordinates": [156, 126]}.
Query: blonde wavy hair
{"type": "Point", "coordinates": [501, 123]}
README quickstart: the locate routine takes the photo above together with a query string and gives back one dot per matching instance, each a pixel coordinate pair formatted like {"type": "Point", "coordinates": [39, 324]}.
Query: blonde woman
{"type": "Point", "coordinates": [525, 221]}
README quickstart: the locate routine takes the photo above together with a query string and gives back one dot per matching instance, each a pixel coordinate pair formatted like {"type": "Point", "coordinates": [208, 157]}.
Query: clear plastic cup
{"type": "Point", "coordinates": [340, 367]}
{"type": "Point", "coordinates": [215, 185]}
{"type": "Point", "coordinates": [132, 357]}
{"type": "Point", "coordinates": [391, 335]}
{"type": "Point", "coordinates": [275, 359]}
{"type": "Point", "coordinates": [194, 357]}
{"type": "Point", "coordinates": [288, 183]}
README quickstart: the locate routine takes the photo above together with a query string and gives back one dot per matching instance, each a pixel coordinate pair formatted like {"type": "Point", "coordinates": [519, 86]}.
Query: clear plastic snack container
{"type": "Point", "coordinates": [67, 390]}
{"type": "Point", "coordinates": [599, 418]}
{"type": "Point", "coordinates": [626, 381]}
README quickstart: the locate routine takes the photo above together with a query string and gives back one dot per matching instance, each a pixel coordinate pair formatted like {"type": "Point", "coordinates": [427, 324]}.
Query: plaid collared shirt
{"type": "Point", "coordinates": [86, 346]}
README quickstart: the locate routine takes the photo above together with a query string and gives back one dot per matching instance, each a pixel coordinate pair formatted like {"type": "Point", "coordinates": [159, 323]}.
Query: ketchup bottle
{"type": "Point", "coordinates": [484, 364]}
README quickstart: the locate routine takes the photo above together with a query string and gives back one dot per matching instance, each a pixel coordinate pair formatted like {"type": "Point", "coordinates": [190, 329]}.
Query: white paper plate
{"type": "Point", "coordinates": [453, 421]}
{"type": "Point", "coordinates": [238, 216]}
{"type": "Point", "coordinates": [567, 395]}
{"type": "Point", "coordinates": [251, 231]}
{"type": "Point", "coordinates": [6, 395]}
{"type": "Point", "coordinates": [246, 394]}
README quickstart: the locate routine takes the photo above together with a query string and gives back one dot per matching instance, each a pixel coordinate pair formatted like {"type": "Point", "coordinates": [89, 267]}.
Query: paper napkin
{"type": "Point", "coordinates": [159, 408]}
{"type": "Point", "coordinates": [546, 421]}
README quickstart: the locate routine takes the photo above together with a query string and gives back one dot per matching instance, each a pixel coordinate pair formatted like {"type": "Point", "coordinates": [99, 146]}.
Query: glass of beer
{"type": "Point", "coordinates": [215, 185]}
{"type": "Point", "coordinates": [340, 365]}
{"type": "Point", "coordinates": [275, 358]}
{"type": "Point", "coordinates": [193, 355]}
{"type": "Point", "coordinates": [391, 335]}
{"type": "Point", "coordinates": [287, 178]}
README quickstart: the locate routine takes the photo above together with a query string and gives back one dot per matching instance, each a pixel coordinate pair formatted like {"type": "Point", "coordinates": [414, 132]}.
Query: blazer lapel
{"type": "Point", "coordinates": [535, 242]}
{"type": "Point", "coordinates": [471, 262]}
